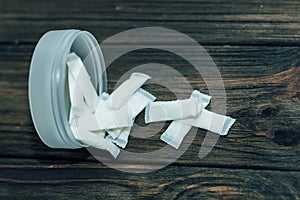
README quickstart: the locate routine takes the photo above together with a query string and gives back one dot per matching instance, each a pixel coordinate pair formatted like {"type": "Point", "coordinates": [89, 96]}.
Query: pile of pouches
{"type": "Point", "coordinates": [105, 121]}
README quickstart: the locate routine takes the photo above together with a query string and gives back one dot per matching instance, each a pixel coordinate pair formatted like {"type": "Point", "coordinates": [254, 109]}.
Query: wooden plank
{"type": "Point", "coordinates": [262, 93]}
{"type": "Point", "coordinates": [255, 44]}
{"type": "Point", "coordinates": [82, 181]}
{"type": "Point", "coordinates": [209, 22]}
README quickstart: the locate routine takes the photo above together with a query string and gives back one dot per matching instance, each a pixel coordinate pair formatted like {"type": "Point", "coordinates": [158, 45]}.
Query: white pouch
{"type": "Point", "coordinates": [216, 123]}
{"type": "Point", "coordinates": [122, 139]}
{"type": "Point", "coordinates": [140, 99]}
{"type": "Point", "coordinates": [97, 141]}
{"type": "Point", "coordinates": [211, 121]}
{"type": "Point", "coordinates": [172, 110]}
{"type": "Point", "coordinates": [175, 133]}
{"type": "Point", "coordinates": [123, 117]}
{"type": "Point", "coordinates": [81, 81]}
{"type": "Point", "coordinates": [123, 93]}
{"type": "Point", "coordinates": [83, 98]}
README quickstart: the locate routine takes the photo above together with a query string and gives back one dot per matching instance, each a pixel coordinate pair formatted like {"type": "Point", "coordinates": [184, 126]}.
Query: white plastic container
{"type": "Point", "coordinates": [48, 85]}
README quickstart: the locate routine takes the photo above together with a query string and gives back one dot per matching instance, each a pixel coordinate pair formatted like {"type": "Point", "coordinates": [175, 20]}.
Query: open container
{"type": "Point", "coordinates": [48, 83]}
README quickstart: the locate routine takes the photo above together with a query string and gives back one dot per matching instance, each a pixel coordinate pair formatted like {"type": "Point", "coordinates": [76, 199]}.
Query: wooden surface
{"type": "Point", "coordinates": [256, 46]}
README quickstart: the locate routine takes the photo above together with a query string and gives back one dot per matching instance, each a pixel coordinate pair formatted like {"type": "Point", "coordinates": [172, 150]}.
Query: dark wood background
{"type": "Point", "coordinates": [255, 44]}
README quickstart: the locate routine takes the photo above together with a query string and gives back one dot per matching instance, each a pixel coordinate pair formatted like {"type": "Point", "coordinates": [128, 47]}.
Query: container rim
{"type": "Point", "coordinates": [48, 90]}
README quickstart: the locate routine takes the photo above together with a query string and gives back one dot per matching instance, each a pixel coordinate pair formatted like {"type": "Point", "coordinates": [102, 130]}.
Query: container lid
{"type": "Point", "coordinates": [48, 85]}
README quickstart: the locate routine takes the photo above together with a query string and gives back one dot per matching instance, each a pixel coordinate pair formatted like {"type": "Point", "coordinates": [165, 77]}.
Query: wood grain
{"type": "Point", "coordinates": [211, 22]}
{"type": "Point", "coordinates": [256, 46]}
{"type": "Point", "coordinates": [96, 181]}
{"type": "Point", "coordinates": [262, 101]}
